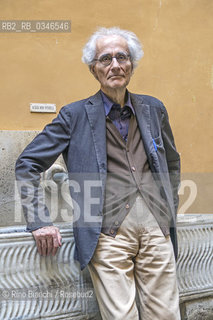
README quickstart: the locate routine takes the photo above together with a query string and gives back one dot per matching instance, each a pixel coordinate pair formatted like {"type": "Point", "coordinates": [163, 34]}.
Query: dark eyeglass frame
{"type": "Point", "coordinates": [117, 57]}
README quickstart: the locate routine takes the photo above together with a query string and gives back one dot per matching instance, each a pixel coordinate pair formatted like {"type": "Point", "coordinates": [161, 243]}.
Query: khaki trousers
{"type": "Point", "coordinates": [140, 260]}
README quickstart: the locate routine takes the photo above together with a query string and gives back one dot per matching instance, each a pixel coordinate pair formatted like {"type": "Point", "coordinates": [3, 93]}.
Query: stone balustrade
{"type": "Point", "coordinates": [195, 266]}
{"type": "Point", "coordinates": [35, 287]}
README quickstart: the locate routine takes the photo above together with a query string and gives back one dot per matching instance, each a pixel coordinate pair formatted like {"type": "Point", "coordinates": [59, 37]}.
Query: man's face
{"type": "Point", "coordinates": [114, 75]}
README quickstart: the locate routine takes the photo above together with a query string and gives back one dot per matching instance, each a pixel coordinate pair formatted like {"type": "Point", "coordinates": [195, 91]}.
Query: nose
{"type": "Point", "coordinates": [114, 63]}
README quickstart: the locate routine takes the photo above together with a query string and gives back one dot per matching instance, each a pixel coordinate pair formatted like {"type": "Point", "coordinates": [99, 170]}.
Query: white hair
{"type": "Point", "coordinates": [134, 45]}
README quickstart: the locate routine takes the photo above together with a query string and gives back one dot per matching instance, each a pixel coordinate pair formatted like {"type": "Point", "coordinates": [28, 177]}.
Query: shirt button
{"type": "Point", "coordinates": [116, 223]}
{"type": "Point", "coordinates": [127, 206]}
{"type": "Point", "coordinates": [111, 231]}
{"type": "Point", "coordinates": [133, 169]}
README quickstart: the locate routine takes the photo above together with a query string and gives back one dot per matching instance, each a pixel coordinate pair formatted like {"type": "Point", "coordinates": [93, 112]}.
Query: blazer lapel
{"type": "Point", "coordinates": [142, 112]}
{"type": "Point", "coordinates": [97, 120]}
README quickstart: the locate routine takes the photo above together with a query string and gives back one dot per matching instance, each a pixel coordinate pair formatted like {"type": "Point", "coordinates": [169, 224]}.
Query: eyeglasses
{"type": "Point", "coordinates": [106, 59]}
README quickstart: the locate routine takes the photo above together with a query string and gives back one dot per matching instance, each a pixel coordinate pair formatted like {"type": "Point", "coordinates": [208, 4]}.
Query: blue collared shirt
{"type": "Point", "coordinates": [121, 124]}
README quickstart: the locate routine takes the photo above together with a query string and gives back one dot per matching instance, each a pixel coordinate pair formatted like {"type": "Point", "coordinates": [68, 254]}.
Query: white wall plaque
{"type": "Point", "coordinates": [43, 107]}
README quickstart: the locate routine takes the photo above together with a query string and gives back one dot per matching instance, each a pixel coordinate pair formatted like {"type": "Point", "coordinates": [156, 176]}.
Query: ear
{"type": "Point", "coordinates": [92, 70]}
{"type": "Point", "coordinates": [132, 70]}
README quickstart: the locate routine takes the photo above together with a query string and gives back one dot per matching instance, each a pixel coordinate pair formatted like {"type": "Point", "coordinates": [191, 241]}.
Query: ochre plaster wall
{"type": "Point", "coordinates": [177, 66]}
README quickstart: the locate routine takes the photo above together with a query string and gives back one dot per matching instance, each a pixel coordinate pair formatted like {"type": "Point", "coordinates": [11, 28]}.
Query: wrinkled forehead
{"type": "Point", "coordinates": [111, 44]}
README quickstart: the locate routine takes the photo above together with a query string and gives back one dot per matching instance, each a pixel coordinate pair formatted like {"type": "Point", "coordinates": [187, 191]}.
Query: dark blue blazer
{"type": "Point", "coordinates": [79, 133]}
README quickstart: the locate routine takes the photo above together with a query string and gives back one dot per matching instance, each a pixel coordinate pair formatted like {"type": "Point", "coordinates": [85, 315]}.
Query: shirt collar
{"type": "Point", "coordinates": [108, 103]}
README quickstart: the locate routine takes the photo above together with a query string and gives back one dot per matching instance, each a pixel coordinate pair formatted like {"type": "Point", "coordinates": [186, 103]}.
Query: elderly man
{"type": "Point", "coordinates": [120, 153]}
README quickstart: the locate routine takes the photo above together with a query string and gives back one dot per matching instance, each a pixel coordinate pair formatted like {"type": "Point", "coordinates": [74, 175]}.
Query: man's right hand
{"type": "Point", "coordinates": [48, 240]}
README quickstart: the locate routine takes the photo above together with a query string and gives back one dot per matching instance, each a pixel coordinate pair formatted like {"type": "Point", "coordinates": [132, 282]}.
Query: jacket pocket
{"type": "Point", "coordinates": [158, 143]}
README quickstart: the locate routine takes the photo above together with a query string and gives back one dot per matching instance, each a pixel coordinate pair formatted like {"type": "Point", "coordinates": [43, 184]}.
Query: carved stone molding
{"type": "Point", "coordinates": [34, 287]}
{"type": "Point", "coordinates": [195, 260]}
